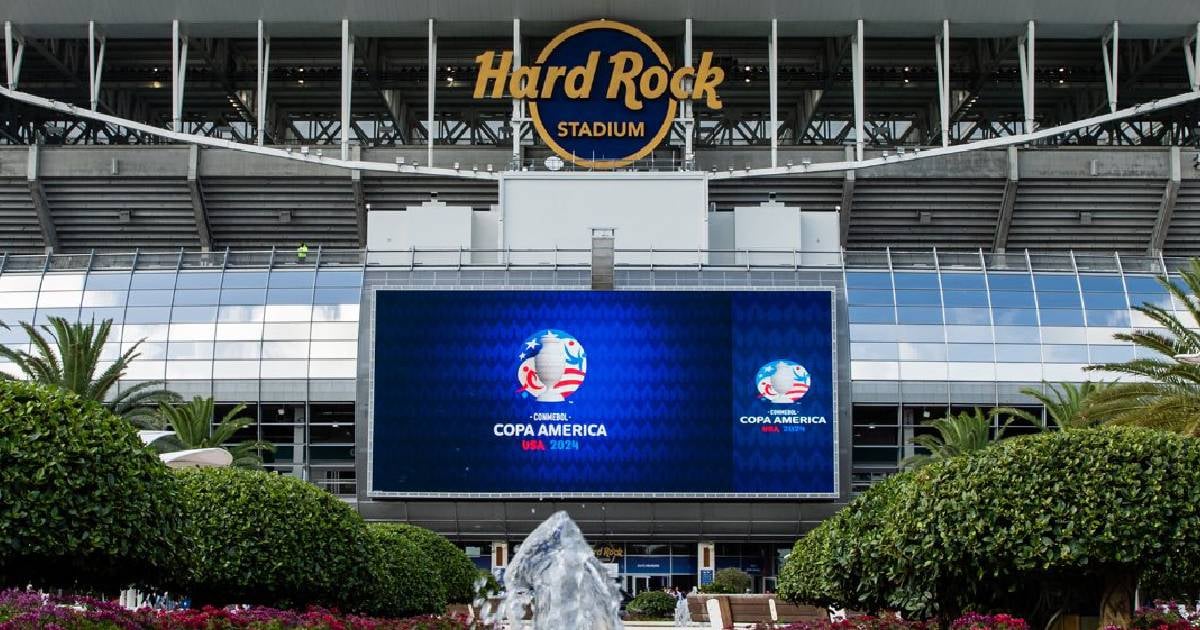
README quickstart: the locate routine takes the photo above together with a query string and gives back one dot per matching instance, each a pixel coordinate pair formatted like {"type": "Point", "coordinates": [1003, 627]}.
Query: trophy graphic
{"type": "Point", "coordinates": [781, 382]}
{"type": "Point", "coordinates": [550, 363]}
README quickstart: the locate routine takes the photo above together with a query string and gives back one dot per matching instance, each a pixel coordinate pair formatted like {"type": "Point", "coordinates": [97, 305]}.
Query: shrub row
{"type": "Point", "coordinates": [84, 506]}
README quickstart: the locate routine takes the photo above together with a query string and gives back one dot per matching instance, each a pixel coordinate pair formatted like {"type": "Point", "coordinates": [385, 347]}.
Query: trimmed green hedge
{"type": "Point", "coordinates": [264, 538]}
{"type": "Point", "coordinates": [403, 579]}
{"type": "Point", "coordinates": [654, 604]}
{"type": "Point", "coordinates": [732, 581]}
{"type": "Point", "coordinates": [82, 503]}
{"type": "Point", "coordinates": [1069, 510]}
{"type": "Point", "coordinates": [456, 573]}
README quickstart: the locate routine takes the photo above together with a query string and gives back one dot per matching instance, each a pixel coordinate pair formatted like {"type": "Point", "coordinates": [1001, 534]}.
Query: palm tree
{"type": "Point", "coordinates": [1069, 406]}
{"type": "Point", "coordinates": [68, 355]}
{"type": "Point", "coordinates": [1168, 394]}
{"type": "Point", "coordinates": [956, 435]}
{"type": "Point", "coordinates": [193, 425]}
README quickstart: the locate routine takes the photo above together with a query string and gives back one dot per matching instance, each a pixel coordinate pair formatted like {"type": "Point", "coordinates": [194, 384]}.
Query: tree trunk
{"type": "Point", "coordinates": [1116, 604]}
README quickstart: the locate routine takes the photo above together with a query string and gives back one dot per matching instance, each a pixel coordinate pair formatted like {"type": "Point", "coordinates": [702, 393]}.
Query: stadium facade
{"type": "Point", "coordinates": [839, 163]}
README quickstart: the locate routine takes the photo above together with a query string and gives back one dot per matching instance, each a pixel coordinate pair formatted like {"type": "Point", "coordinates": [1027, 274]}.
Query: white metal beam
{"type": "Point", "coordinates": [179, 51]}
{"type": "Point", "coordinates": [430, 129]}
{"type": "Point", "coordinates": [773, 63]}
{"type": "Point", "coordinates": [1191, 54]}
{"type": "Point", "coordinates": [856, 58]}
{"type": "Point", "coordinates": [95, 64]}
{"type": "Point", "coordinates": [347, 82]}
{"type": "Point", "coordinates": [260, 95]}
{"type": "Point", "coordinates": [689, 122]}
{"type": "Point", "coordinates": [14, 52]}
{"type": "Point", "coordinates": [1110, 64]}
{"type": "Point", "coordinates": [941, 50]}
{"type": "Point", "coordinates": [1025, 49]}
{"type": "Point", "coordinates": [518, 113]}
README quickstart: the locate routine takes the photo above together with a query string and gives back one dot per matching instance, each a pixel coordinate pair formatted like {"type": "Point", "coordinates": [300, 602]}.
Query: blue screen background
{"type": "Point", "coordinates": [669, 373]}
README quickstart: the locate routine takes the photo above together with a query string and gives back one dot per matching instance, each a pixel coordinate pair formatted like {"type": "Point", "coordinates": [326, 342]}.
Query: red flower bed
{"type": "Point", "coordinates": [969, 621]}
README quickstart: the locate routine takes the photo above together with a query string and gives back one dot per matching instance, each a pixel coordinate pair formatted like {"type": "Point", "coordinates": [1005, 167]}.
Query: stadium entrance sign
{"type": "Point", "coordinates": [601, 94]}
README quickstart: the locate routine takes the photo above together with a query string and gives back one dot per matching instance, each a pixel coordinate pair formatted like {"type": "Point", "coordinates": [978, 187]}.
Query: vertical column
{"type": "Point", "coordinates": [689, 123]}
{"type": "Point", "coordinates": [264, 62]}
{"type": "Point", "coordinates": [429, 129]}
{"type": "Point", "coordinates": [1110, 64]}
{"type": "Point", "coordinates": [1191, 54]}
{"type": "Point", "coordinates": [518, 106]}
{"type": "Point", "coordinates": [941, 49]}
{"type": "Point", "coordinates": [179, 51]}
{"type": "Point", "coordinates": [706, 562]}
{"type": "Point", "coordinates": [856, 54]}
{"type": "Point", "coordinates": [347, 77]}
{"type": "Point", "coordinates": [14, 51]}
{"type": "Point", "coordinates": [95, 65]}
{"type": "Point", "coordinates": [1025, 50]}
{"type": "Point", "coordinates": [499, 559]}
{"type": "Point", "coordinates": [773, 64]}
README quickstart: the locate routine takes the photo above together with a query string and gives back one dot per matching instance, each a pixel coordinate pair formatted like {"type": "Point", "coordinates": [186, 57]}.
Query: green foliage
{"type": "Point", "coordinates": [1171, 399]}
{"type": "Point", "coordinates": [956, 435]}
{"type": "Point", "coordinates": [728, 581]}
{"type": "Point", "coordinates": [403, 577]}
{"type": "Point", "coordinates": [68, 355]}
{"type": "Point", "coordinates": [1060, 508]}
{"type": "Point", "coordinates": [264, 538]}
{"type": "Point", "coordinates": [456, 572]}
{"type": "Point", "coordinates": [653, 604]}
{"type": "Point", "coordinates": [1068, 405]}
{"type": "Point", "coordinates": [82, 503]}
{"type": "Point", "coordinates": [193, 425]}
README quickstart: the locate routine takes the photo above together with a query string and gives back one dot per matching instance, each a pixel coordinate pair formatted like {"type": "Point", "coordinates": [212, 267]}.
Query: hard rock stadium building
{"type": "Point", "coordinates": [980, 192]}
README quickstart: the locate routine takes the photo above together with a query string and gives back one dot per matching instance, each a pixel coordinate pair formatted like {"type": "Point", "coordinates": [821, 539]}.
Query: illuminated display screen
{"type": "Point", "coordinates": [617, 393]}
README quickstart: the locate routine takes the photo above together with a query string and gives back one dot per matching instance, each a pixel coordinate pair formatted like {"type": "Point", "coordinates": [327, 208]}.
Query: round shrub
{"type": "Point", "coordinates": [403, 580]}
{"type": "Point", "coordinates": [82, 502]}
{"type": "Point", "coordinates": [733, 581]}
{"type": "Point", "coordinates": [652, 604]}
{"type": "Point", "coordinates": [456, 572]}
{"type": "Point", "coordinates": [1088, 512]}
{"type": "Point", "coordinates": [263, 538]}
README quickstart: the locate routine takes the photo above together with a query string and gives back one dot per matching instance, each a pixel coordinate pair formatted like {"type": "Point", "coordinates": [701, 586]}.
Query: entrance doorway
{"type": "Point", "coordinates": [635, 584]}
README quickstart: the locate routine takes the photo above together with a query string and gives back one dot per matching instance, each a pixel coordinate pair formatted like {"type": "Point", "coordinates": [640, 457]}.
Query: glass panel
{"type": "Point", "coordinates": [1059, 300]}
{"type": "Point", "coordinates": [243, 296]}
{"type": "Point", "coordinates": [286, 331]}
{"type": "Point", "coordinates": [291, 279]}
{"type": "Point", "coordinates": [337, 296]}
{"type": "Point", "coordinates": [193, 332]}
{"type": "Point", "coordinates": [194, 314]}
{"type": "Point", "coordinates": [922, 351]}
{"type": "Point", "coordinates": [971, 352]}
{"type": "Point", "coordinates": [1101, 283]}
{"type": "Point", "coordinates": [60, 299]}
{"type": "Point", "coordinates": [95, 298]}
{"type": "Point", "coordinates": [199, 280]}
{"type": "Point", "coordinates": [148, 315]}
{"type": "Point", "coordinates": [241, 313]}
{"type": "Point", "coordinates": [335, 312]}
{"type": "Point", "coordinates": [1104, 300]}
{"type": "Point", "coordinates": [1161, 300]}
{"type": "Point", "coordinates": [1014, 316]}
{"type": "Point", "coordinates": [1017, 334]}
{"type": "Point", "coordinates": [1061, 317]}
{"type": "Point", "coordinates": [1112, 354]}
{"type": "Point", "coordinates": [868, 280]}
{"type": "Point", "coordinates": [965, 298]}
{"type": "Point", "coordinates": [973, 316]}
{"type": "Point", "coordinates": [20, 282]}
{"type": "Point", "coordinates": [153, 280]}
{"type": "Point", "coordinates": [1009, 282]}
{"type": "Point", "coordinates": [866, 332]}
{"type": "Point", "coordinates": [156, 332]}
{"type": "Point", "coordinates": [251, 332]}
{"type": "Point", "coordinates": [339, 278]}
{"type": "Point", "coordinates": [244, 280]}
{"type": "Point", "coordinates": [12, 316]}
{"type": "Point", "coordinates": [190, 369]}
{"type": "Point", "coordinates": [143, 370]}
{"type": "Point", "coordinates": [62, 282]}
{"type": "Point", "coordinates": [150, 298]}
{"type": "Point", "coordinates": [107, 281]}
{"type": "Point", "coordinates": [289, 296]}
{"type": "Point", "coordinates": [963, 281]}
{"type": "Point", "coordinates": [919, 315]}
{"type": "Point", "coordinates": [339, 350]}
{"type": "Point", "coordinates": [147, 350]}
{"type": "Point", "coordinates": [190, 350]}
{"type": "Point", "coordinates": [284, 369]}
{"type": "Point", "coordinates": [1143, 284]}
{"type": "Point", "coordinates": [284, 350]}
{"type": "Point", "coordinates": [874, 371]}
{"type": "Point", "coordinates": [44, 314]}
{"type": "Point", "coordinates": [235, 370]}
{"type": "Point", "coordinates": [333, 369]}
{"type": "Point", "coordinates": [929, 297]}
{"type": "Point", "coordinates": [1108, 318]}
{"type": "Point", "coordinates": [335, 330]}
{"type": "Point", "coordinates": [1053, 353]}
{"type": "Point", "coordinates": [872, 351]}
{"type": "Point", "coordinates": [868, 297]}
{"type": "Point", "coordinates": [21, 299]}
{"type": "Point", "coordinates": [195, 297]}
{"type": "Point", "coordinates": [1055, 282]}
{"type": "Point", "coordinates": [236, 349]}
{"type": "Point", "coordinates": [916, 281]}
{"type": "Point", "coordinates": [920, 333]}
{"type": "Point", "coordinates": [974, 334]}
{"type": "Point", "coordinates": [872, 315]}
{"type": "Point", "coordinates": [1061, 334]}
{"type": "Point", "coordinates": [1013, 299]}
{"type": "Point", "coordinates": [288, 312]}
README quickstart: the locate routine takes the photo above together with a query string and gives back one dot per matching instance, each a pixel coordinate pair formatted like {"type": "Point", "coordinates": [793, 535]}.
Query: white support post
{"type": "Point", "coordinates": [14, 51]}
{"type": "Point", "coordinates": [347, 76]}
{"type": "Point", "coordinates": [95, 64]}
{"type": "Point", "coordinates": [1110, 64]}
{"type": "Point", "coordinates": [429, 128]}
{"type": "Point", "coordinates": [856, 65]}
{"type": "Point", "coordinates": [179, 50]}
{"type": "Point", "coordinates": [773, 63]}
{"type": "Point", "coordinates": [1191, 54]}
{"type": "Point", "coordinates": [1025, 50]}
{"type": "Point", "coordinates": [941, 50]}
{"type": "Point", "coordinates": [689, 122]}
{"type": "Point", "coordinates": [518, 113]}
{"type": "Point", "coordinates": [264, 62]}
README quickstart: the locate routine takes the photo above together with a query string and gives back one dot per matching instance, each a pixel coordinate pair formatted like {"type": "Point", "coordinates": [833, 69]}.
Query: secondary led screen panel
{"type": "Point", "coordinates": [603, 393]}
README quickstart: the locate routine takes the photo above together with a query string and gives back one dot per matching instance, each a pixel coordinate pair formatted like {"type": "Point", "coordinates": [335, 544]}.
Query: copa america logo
{"type": "Point", "coordinates": [782, 381]}
{"type": "Point", "coordinates": [551, 366]}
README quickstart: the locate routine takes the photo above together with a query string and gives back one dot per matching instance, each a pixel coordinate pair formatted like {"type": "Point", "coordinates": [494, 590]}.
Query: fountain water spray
{"type": "Point", "coordinates": [556, 574]}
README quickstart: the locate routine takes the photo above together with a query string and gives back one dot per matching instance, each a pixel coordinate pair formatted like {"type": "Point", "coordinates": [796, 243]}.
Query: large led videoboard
{"type": "Point", "coordinates": [518, 393]}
